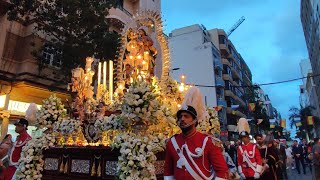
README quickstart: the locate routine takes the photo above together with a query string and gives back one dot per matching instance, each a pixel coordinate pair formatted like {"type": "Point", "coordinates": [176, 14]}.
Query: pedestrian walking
{"type": "Point", "coordinates": [290, 163]}
{"type": "Point", "coordinates": [298, 156]}
{"type": "Point", "coordinates": [316, 158]}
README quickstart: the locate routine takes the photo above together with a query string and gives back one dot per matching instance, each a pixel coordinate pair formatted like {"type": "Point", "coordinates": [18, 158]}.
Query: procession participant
{"type": "Point", "coordinates": [191, 154]}
{"type": "Point", "coordinates": [282, 164]}
{"type": "Point", "coordinates": [233, 172]}
{"type": "Point", "coordinates": [249, 159]}
{"type": "Point", "coordinates": [263, 149]}
{"type": "Point", "coordinates": [272, 161]}
{"type": "Point", "coordinates": [14, 154]}
{"type": "Point", "coordinates": [298, 156]}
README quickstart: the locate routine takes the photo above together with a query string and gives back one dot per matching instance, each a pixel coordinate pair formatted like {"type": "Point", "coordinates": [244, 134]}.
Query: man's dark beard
{"type": "Point", "coordinates": [186, 130]}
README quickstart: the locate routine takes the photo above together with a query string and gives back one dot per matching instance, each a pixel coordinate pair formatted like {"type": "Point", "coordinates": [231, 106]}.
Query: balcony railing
{"type": "Point", "coordinates": [218, 64]}
{"type": "Point", "coordinates": [124, 10]}
{"type": "Point", "coordinates": [219, 81]}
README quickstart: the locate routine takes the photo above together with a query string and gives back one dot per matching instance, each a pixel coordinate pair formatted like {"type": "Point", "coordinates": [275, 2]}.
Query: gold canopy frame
{"type": "Point", "coordinates": [152, 22]}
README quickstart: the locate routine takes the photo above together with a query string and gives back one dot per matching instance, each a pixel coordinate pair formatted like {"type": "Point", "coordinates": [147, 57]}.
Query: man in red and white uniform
{"type": "Point", "coordinates": [14, 154]}
{"type": "Point", "coordinates": [191, 154]}
{"type": "Point", "coordinates": [249, 159]}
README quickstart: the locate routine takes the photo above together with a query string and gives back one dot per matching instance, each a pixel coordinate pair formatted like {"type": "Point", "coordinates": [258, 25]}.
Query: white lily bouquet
{"type": "Point", "coordinates": [51, 111]}
{"type": "Point", "coordinates": [140, 103]}
{"type": "Point", "coordinates": [138, 155]}
{"type": "Point", "coordinates": [211, 124]}
{"type": "Point", "coordinates": [68, 126]}
{"type": "Point", "coordinates": [109, 123]}
{"type": "Point", "coordinates": [31, 161]}
{"type": "Point", "coordinates": [172, 89]}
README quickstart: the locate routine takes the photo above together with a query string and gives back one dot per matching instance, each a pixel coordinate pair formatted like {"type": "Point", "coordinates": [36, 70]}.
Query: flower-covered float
{"type": "Point", "coordinates": [109, 132]}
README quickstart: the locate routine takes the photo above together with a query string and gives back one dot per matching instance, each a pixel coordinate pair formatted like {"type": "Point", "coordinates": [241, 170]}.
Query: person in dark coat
{"type": "Point", "coordinates": [282, 167]}
{"type": "Point", "coordinates": [272, 161]}
{"type": "Point", "coordinates": [231, 150]}
{"type": "Point", "coordinates": [297, 151]}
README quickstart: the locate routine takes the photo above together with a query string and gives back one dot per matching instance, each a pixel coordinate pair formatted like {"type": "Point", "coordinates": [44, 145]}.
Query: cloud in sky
{"type": "Point", "coordinates": [270, 40]}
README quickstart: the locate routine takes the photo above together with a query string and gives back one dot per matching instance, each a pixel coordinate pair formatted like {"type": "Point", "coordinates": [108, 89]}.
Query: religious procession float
{"type": "Point", "coordinates": [109, 132]}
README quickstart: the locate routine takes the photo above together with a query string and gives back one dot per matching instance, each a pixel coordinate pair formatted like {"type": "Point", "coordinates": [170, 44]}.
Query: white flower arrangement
{"type": "Point", "coordinates": [51, 111]}
{"type": "Point", "coordinates": [31, 161]}
{"type": "Point", "coordinates": [211, 124]}
{"type": "Point", "coordinates": [138, 155]}
{"type": "Point", "coordinates": [171, 89]}
{"type": "Point", "coordinates": [67, 126]}
{"type": "Point", "coordinates": [109, 122]}
{"type": "Point", "coordinates": [140, 103]}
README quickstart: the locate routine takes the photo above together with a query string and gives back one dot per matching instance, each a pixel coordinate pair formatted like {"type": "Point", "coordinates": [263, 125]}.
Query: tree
{"type": "Point", "coordinates": [77, 28]}
{"type": "Point", "coordinates": [303, 114]}
{"type": "Point", "coordinates": [259, 112]}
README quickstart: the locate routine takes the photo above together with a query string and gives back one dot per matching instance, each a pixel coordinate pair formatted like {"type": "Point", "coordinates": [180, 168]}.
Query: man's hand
{"type": "Point", "coordinates": [256, 175]}
{"type": "Point", "coordinates": [242, 176]}
{"type": "Point", "coordinates": [1, 164]}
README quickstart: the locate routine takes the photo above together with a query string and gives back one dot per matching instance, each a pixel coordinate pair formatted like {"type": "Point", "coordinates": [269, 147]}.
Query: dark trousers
{"type": "Point", "coordinates": [282, 170]}
{"type": "Point", "coordinates": [251, 178]}
{"type": "Point", "coordinates": [298, 162]}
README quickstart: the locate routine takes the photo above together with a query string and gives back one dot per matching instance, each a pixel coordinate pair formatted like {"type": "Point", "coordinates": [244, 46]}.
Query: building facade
{"type": "Point", "coordinates": [305, 69]}
{"type": "Point", "coordinates": [20, 81]}
{"type": "Point", "coordinates": [237, 77]}
{"type": "Point", "coordinates": [199, 60]}
{"type": "Point", "coordinates": [208, 58]}
{"type": "Point", "coordinates": [308, 94]}
{"type": "Point", "coordinates": [310, 15]}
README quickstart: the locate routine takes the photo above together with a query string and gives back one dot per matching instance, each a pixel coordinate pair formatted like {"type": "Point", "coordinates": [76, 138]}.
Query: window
{"type": "Point", "coordinates": [120, 4]}
{"type": "Point", "coordinates": [222, 39]}
{"type": "Point", "coordinates": [51, 55]}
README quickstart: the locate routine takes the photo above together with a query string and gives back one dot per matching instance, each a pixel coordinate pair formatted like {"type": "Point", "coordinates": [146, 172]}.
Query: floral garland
{"type": "Point", "coordinates": [31, 161]}
{"type": "Point", "coordinates": [140, 103]}
{"type": "Point", "coordinates": [67, 126]}
{"type": "Point", "coordinates": [51, 111]}
{"type": "Point", "coordinates": [138, 155]}
{"type": "Point", "coordinates": [109, 122]}
{"type": "Point", "coordinates": [171, 90]}
{"type": "Point", "coordinates": [211, 124]}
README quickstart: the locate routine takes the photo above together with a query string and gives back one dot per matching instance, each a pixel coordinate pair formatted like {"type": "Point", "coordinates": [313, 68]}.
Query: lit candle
{"type": "Point", "coordinates": [105, 75]}
{"type": "Point", "coordinates": [99, 79]}
{"type": "Point", "coordinates": [111, 80]}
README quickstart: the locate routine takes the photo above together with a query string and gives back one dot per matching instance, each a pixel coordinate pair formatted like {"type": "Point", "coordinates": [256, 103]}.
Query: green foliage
{"type": "Point", "coordinates": [78, 28]}
{"type": "Point", "coordinates": [259, 112]}
{"type": "Point", "coordinates": [303, 113]}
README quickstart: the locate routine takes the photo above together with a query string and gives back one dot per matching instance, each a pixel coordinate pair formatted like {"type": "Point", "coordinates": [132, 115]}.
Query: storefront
{"type": "Point", "coordinates": [14, 105]}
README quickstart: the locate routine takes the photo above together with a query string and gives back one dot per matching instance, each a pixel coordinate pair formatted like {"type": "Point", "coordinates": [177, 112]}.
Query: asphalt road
{"type": "Point", "coordinates": [293, 174]}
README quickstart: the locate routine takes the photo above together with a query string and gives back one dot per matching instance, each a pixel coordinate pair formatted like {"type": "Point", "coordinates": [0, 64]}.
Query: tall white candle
{"type": "Point", "coordinates": [111, 80]}
{"type": "Point", "coordinates": [99, 81]}
{"type": "Point", "coordinates": [99, 75]}
{"type": "Point", "coordinates": [105, 75]}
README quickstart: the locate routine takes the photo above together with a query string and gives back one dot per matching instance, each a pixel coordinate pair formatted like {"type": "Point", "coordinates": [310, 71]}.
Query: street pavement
{"type": "Point", "coordinates": [293, 175]}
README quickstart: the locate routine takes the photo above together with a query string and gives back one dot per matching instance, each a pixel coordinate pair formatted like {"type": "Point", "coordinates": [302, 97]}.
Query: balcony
{"type": "Point", "coordinates": [221, 102]}
{"type": "Point", "coordinates": [227, 77]}
{"type": "Point", "coordinates": [226, 62]}
{"type": "Point", "coordinates": [119, 16]}
{"type": "Point", "coordinates": [218, 64]}
{"type": "Point", "coordinates": [219, 81]}
{"type": "Point", "coordinates": [235, 97]}
{"type": "Point", "coordinates": [224, 50]}
{"type": "Point", "coordinates": [235, 74]}
{"type": "Point", "coordinates": [235, 113]}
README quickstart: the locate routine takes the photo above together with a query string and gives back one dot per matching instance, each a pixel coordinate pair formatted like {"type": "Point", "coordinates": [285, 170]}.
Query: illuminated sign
{"type": "Point", "coordinates": [18, 108]}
